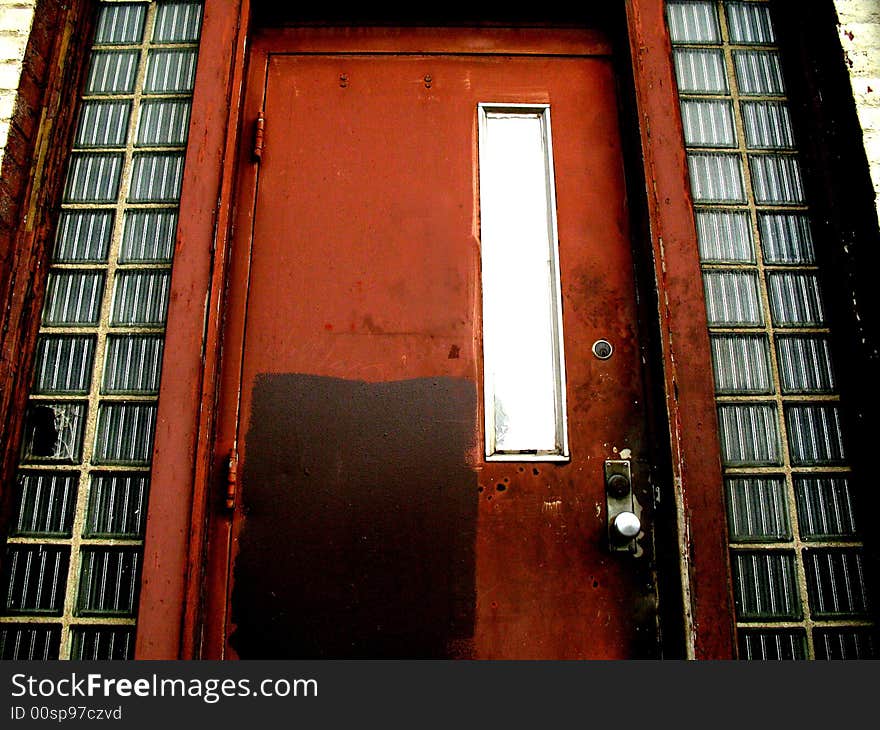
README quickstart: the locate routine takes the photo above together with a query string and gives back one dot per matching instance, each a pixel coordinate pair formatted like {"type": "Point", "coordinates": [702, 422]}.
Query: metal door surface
{"type": "Point", "coordinates": [365, 519]}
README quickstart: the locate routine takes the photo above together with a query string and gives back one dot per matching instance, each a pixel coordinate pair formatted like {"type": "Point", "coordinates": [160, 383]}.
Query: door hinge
{"type": "Point", "coordinates": [231, 479]}
{"type": "Point", "coordinates": [259, 130]}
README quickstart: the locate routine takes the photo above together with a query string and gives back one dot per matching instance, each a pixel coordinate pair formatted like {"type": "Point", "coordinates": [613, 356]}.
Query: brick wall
{"type": "Point", "coordinates": [16, 17]}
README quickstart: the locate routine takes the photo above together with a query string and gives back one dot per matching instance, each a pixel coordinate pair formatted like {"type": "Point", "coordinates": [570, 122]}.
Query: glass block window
{"type": "Point", "coordinates": [796, 559]}
{"type": "Point", "coordinates": [72, 562]}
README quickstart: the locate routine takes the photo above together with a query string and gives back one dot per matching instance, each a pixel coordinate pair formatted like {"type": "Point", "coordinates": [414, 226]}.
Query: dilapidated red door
{"type": "Point", "coordinates": [367, 519]}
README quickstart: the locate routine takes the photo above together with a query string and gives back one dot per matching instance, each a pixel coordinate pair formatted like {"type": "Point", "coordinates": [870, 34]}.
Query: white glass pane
{"type": "Point", "coordinates": [757, 509]}
{"type": "Point", "coordinates": [112, 72]}
{"type": "Point", "coordinates": [716, 178]}
{"type": "Point", "coordinates": [805, 364]}
{"type": "Point", "coordinates": [749, 435]}
{"type": "Point", "coordinates": [178, 22]}
{"type": "Point", "coordinates": [120, 23]}
{"type": "Point", "coordinates": [795, 299]}
{"type": "Point", "coordinates": [758, 72]}
{"type": "Point", "coordinates": [170, 71]}
{"type": "Point", "coordinates": [693, 22]}
{"type": "Point", "coordinates": [767, 125]}
{"type": "Point", "coordinates": [724, 236]}
{"type": "Point", "coordinates": [156, 177]}
{"type": "Point", "coordinates": [700, 71]}
{"type": "Point", "coordinates": [140, 298]}
{"type": "Point", "coordinates": [93, 177]}
{"type": "Point", "coordinates": [732, 298]}
{"type": "Point", "coordinates": [749, 23]}
{"type": "Point", "coordinates": [776, 179]}
{"type": "Point", "coordinates": [73, 298]}
{"type": "Point", "coordinates": [524, 386]}
{"type": "Point", "coordinates": [708, 123]}
{"type": "Point", "coordinates": [815, 435]}
{"type": "Point", "coordinates": [164, 122]}
{"type": "Point", "coordinates": [83, 235]}
{"type": "Point", "coordinates": [786, 238]}
{"type": "Point", "coordinates": [148, 235]}
{"type": "Point", "coordinates": [741, 363]}
{"type": "Point", "coordinates": [103, 124]}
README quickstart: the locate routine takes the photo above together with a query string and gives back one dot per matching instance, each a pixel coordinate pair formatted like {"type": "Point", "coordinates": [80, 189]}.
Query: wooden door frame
{"type": "Point", "coordinates": [185, 487]}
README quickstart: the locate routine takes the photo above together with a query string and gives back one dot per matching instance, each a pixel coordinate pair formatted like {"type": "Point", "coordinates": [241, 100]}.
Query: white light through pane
{"type": "Point", "coordinates": [522, 339]}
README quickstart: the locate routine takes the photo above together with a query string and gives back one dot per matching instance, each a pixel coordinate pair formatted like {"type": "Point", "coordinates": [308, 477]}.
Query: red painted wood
{"type": "Point", "coordinates": [365, 266]}
{"type": "Point", "coordinates": [688, 376]}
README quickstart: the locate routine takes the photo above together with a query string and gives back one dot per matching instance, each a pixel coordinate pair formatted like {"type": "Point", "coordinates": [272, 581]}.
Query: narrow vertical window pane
{"type": "Point", "coordinates": [156, 177]}
{"type": "Point", "coordinates": [64, 364]}
{"type": "Point", "coordinates": [148, 236]}
{"type": "Point", "coordinates": [117, 506]}
{"type": "Point", "coordinates": [741, 363]}
{"type": "Point", "coordinates": [34, 578]}
{"type": "Point", "coordinates": [767, 125]}
{"type": "Point", "coordinates": [825, 507]}
{"type": "Point", "coordinates": [765, 586]}
{"type": "Point", "coordinates": [836, 583]}
{"type": "Point", "coordinates": [758, 72]}
{"type": "Point", "coordinates": [45, 502]}
{"type": "Point", "coordinates": [73, 298]}
{"type": "Point", "coordinates": [132, 364]}
{"type": "Point", "coordinates": [757, 509]}
{"type": "Point", "coordinates": [732, 298]}
{"type": "Point", "coordinates": [103, 124]}
{"type": "Point", "coordinates": [164, 122]}
{"type": "Point", "coordinates": [93, 177]}
{"type": "Point", "coordinates": [724, 236]}
{"type": "Point", "coordinates": [140, 298]}
{"type": "Point", "coordinates": [716, 178]}
{"type": "Point", "coordinates": [178, 22]}
{"type": "Point", "coordinates": [805, 364]}
{"type": "Point", "coordinates": [108, 581]}
{"type": "Point", "coordinates": [121, 23]}
{"type": "Point", "coordinates": [83, 235]}
{"type": "Point", "coordinates": [170, 71]}
{"type": "Point", "coordinates": [693, 22]}
{"type": "Point", "coordinates": [749, 23]}
{"type": "Point", "coordinates": [700, 71]}
{"type": "Point", "coordinates": [112, 72]}
{"type": "Point", "coordinates": [124, 434]}
{"type": "Point", "coordinates": [795, 299]}
{"type": "Point", "coordinates": [749, 435]}
{"type": "Point", "coordinates": [786, 238]}
{"type": "Point", "coordinates": [522, 342]}
{"type": "Point", "coordinates": [815, 435]}
{"type": "Point", "coordinates": [708, 123]}
{"type": "Point", "coordinates": [776, 179]}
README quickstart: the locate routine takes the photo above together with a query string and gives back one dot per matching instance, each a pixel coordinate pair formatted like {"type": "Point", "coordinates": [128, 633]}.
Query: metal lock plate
{"type": "Point", "coordinates": [622, 516]}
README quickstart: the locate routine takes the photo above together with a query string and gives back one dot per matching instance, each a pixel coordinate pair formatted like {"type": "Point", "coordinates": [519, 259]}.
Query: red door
{"type": "Point", "coordinates": [368, 521]}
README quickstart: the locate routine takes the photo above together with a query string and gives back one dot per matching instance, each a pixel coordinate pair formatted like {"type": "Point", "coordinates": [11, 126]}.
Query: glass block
{"type": "Point", "coordinates": [63, 364]}
{"type": "Point", "coordinates": [102, 124]}
{"type": "Point", "coordinates": [757, 509]}
{"type": "Point", "coordinates": [132, 364]}
{"type": "Point", "coordinates": [148, 236]}
{"type": "Point", "coordinates": [101, 643]}
{"type": "Point", "coordinates": [776, 179]}
{"type": "Point", "coordinates": [178, 22]}
{"type": "Point", "coordinates": [83, 235]}
{"type": "Point", "coordinates": [124, 434]}
{"type": "Point", "coordinates": [836, 583]}
{"type": "Point", "coordinates": [117, 506]}
{"type": "Point", "coordinates": [741, 364]}
{"type": "Point", "coordinates": [767, 125]}
{"type": "Point", "coordinates": [700, 71]}
{"type": "Point", "coordinates": [847, 643]}
{"type": "Point", "coordinates": [693, 22]}
{"type": "Point", "coordinates": [708, 123]}
{"type": "Point", "coordinates": [781, 644]}
{"type": "Point", "coordinates": [786, 238]}
{"type": "Point", "coordinates": [815, 436]}
{"type": "Point", "coordinates": [765, 585]}
{"type": "Point", "coordinates": [112, 72]}
{"type": "Point", "coordinates": [170, 71]}
{"type": "Point", "coordinates": [108, 581]}
{"type": "Point", "coordinates": [93, 177]}
{"type": "Point", "coordinates": [825, 507]}
{"type": "Point", "coordinates": [724, 236]}
{"type": "Point", "coordinates": [749, 23]}
{"type": "Point", "coordinates": [29, 642]}
{"type": "Point", "coordinates": [73, 298]}
{"type": "Point", "coordinates": [54, 432]}
{"type": "Point", "coordinates": [163, 122]}
{"type": "Point", "coordinates": [795, 299]}
{"type": "Point", "coordinates": [120, 23]}
{"type": "Point", "coordinates": [805, 364]}
{"type": "Point", "coordinates": [156, 177]}
{"type": "Point", "coordinates": [732, 298]}
{"type": "Point", "coordinates": [140, 298]}
{"type": "Point", "coordinates": [44, 504]}
{"type": "Point", "coordinates": [34, 579]}
{"type": "Point", "coordinates": [749, 434]}
{"type": "Point", "coordinates": [758, 72]}
{"type": "Point", "coordinates": [716, 178]}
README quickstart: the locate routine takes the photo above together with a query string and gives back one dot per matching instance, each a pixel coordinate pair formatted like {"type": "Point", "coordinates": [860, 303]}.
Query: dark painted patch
{"type": "Point", "coordinates": [360, 520]}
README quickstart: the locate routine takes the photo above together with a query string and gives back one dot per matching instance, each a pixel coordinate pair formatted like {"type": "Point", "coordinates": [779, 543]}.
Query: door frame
{"type": "Point", "coordinates": [185, 477]}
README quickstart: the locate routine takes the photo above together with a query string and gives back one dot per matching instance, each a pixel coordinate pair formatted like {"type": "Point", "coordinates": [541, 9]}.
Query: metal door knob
{"type": "Point", "coordinates": [626, 525]}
